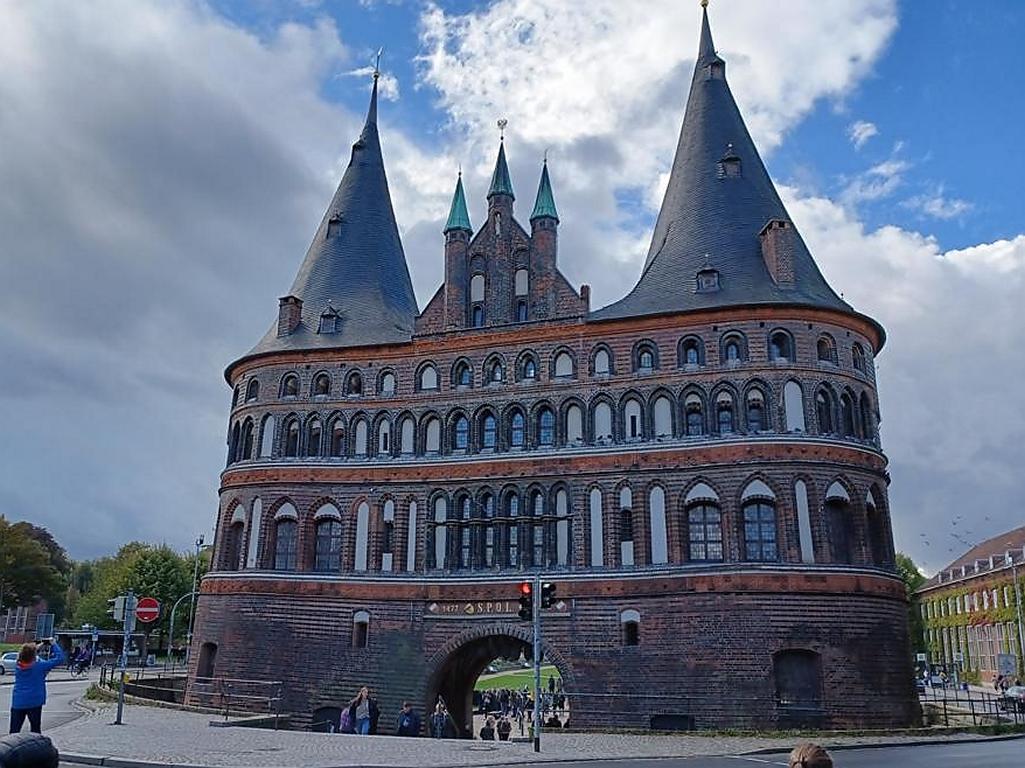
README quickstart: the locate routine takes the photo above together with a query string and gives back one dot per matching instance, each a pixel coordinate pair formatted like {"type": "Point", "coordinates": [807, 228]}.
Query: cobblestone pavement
{"type": "Point", "coordinates": [170, 736]}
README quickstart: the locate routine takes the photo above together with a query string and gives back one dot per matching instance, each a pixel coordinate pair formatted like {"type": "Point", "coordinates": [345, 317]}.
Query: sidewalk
{"type": "Point", "coordinates": [161, 736]}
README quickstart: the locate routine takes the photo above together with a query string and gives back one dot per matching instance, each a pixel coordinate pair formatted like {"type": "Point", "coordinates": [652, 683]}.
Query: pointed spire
{"type": "Point", "coordinates": [458, 217]}
{"type": "Point", "coordinates": [544, 205]}
{"type": "Point", "coordinates": [706, 48]}
{"type": "Point", "coordinates": [372, 111]}
{"type": "Point", "coordinates": [501, 183]}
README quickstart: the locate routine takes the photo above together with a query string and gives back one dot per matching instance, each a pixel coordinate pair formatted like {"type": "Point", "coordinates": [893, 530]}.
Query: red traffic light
{"type": "Point", "coordinates": [525, 588]}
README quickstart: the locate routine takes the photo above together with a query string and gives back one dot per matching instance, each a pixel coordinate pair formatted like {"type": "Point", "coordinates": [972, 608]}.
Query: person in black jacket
{"type": "Point", "coordinates": [408, 723]}
{"type": "Point", "coordinates": [363, 713]}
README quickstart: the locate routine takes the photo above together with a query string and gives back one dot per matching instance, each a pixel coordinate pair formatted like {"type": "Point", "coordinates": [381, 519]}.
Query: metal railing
{"type": "Point", "coordinates": [243, 697]}
{"type": "Point", "coordinates": [955, 706]}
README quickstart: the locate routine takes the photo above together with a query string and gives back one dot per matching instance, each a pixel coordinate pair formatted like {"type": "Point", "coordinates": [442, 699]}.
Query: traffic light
{"type": "Point", "coordinates": [526, 601]}
{"type": "Point", "coordinates": [547, 594]}
{"type": "Point", "coordinates": [116, 608]}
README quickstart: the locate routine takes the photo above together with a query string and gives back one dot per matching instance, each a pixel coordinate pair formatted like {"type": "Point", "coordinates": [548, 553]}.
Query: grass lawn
{"type": "Point", "coordinates": [517, 679]}
{"type": "Point", "coordinates": [5, 647]}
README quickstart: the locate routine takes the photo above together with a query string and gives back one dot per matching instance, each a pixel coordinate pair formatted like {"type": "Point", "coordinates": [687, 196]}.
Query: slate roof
{"type": "Point", "coordinates": [458, 216]}
{"type": "Point", "coordinates": [544, 204]}
{"type": "Point", "coordinates": [708, 218]}
{"type": "Point", "coordinates": [359, 272]}
{"type": "Point", "coordinates": [998, 545]}
{"type": "Point", "coordinates": [501, 182]}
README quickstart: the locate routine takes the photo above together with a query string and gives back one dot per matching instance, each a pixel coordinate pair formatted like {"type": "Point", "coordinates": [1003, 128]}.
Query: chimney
{"type": "Point", "coordinates": [778, 241]}
{"type": "Point", "coordinates": [290, 310]}
{"type": "Point", "coordinates": [585, 296]}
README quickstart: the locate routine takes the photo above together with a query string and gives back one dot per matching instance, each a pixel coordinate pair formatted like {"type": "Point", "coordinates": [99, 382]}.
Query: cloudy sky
{"type": "Point", "coordinates": [163, 166]}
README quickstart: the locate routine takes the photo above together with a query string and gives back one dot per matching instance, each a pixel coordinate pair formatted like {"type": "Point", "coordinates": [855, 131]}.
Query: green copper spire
{"type": "Point", "coordinates": [458, 218]}
{"type": "Point", "coordinates": [501, 184]}
{"type": "Point", "coordinates": [544, 205]}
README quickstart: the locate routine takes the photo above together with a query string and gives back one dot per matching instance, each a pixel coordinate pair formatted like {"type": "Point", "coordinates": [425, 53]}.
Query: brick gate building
{"type": "Point", "coordinates": [697, 466]}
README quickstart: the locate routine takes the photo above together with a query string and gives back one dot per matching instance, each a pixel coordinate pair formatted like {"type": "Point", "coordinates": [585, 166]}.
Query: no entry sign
{"type": "Point", "coordinates": [147, 610]}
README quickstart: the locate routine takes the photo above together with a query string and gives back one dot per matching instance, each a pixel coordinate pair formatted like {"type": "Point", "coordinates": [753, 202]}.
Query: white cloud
{"type": "Point", "coordinates": [938, 206]}
{"type": "Point", "coordinates": [878, 182]}
{"type": "Point", "coordinates": [860, 131]}
{"type": "Point", "coordinates": [387, 84]}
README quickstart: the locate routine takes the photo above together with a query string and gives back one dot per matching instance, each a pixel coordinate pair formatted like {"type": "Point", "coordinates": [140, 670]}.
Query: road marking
{"type": "Point", "coordinates": [751, 759]}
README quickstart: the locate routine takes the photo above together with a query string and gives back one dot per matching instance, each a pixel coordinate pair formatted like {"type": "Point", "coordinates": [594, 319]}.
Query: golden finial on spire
{"type": "Point", "coordinates": [501, 128]}
{"type": "Point", "coordinates": [377, 63]}
{"type": "Point", "coordinates": [704, 3]}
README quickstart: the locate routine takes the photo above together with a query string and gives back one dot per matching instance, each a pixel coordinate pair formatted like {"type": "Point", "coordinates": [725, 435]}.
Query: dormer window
{"type": "Point", "coordinates": [716, 69]}
{"type": "Point", "coordinates": [708, 280]}
{"type": "Point", "coordinates": [329, 322]}
{"type": "Point", "coordinates": [729, 165]}
{"type": "Point", "coordinates": [334, 226]}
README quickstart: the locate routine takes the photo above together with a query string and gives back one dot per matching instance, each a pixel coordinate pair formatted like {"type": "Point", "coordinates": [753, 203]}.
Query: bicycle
{"type": "Point", "coordinates": [80, 669]}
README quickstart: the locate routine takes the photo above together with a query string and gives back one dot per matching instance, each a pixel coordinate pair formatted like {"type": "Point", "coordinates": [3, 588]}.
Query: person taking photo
{"type": "Point", "coordinates": [29, 693]}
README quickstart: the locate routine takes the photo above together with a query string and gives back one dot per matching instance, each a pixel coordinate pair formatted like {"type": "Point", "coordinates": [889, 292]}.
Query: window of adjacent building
{"type": "Point", "coordinates": [521, 281]}
{"type": "Point", "coordinates": [546, 427]}
{"type": "Point", "coordinates": [286, 545]}
{"type": "Point", "coordinates": [704, 533]}
{"type": "Point", "coordinates": [290, 386]}
{"type": "Point", "coordinates": [429, 377]}
{"type": "Point", "coordinates": [602, 362]}
{"type": "Point", "coordinates": [563, 364]}
{"type": "Point", "coordinates": [360, 629]}
{"type": "Point", "coordinates": [328, 546]}
{"type": "Point", "coordinates": [252, 390]}
{"type": "Point", "coordinates": [760, 532]}
{"type": "Point", "coordinates": [516, 430]}
{"type": "Point", "coordinates": [321, 385]}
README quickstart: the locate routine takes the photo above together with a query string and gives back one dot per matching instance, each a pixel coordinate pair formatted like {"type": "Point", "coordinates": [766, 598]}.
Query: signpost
{"type": "Point", "coordinates": [148, 610]}
{"type": "Point", "coordinates": [125, 605]}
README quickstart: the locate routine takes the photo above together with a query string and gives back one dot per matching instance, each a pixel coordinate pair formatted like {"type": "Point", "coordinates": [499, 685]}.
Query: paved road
{"type": "Point", "coordinates": [58, 709]}
{"type": "Point", "coordinates": [993, 754]}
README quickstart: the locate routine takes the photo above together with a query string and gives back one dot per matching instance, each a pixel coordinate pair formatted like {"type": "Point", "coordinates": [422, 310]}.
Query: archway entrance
{"type": "Point", "coordinates": [501, 653]}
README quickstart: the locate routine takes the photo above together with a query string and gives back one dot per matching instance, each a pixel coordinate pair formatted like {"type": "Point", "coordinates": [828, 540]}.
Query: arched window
{"type": "Point", "coordinates": [645, 357]}
{"type": "Point", "coordinates": [561, 544]}
{"type": "Point", "coordinates": [252, 390]}
{"type": "Point", "coordinates": [755, 411]}
{"type": "Point", "coordinates": [406, 436]}
{"type": "Point", "coordinates": [388, 383]}
{"type": "Point", "coordinates": [234, 396]}
{"type": "Point", "coordinates": [290, 385]}
{"type": "Point", "coordinates": [695, 415]}
{"type": "Point", "coordinates": [538, 535]}
{"type": "Point", "coordinates": [337, 438]}
{"type": "Point", "coordinates": [517, 430]}
{"type": "Point", "coordinates": [494, 373]}
{"type": "Point", "coordinates": [528, 368]}
{"type": "Point", "coordinates": [266, 436]}
{"type": "Point", "coordinates": [858, 357]}
{"type": "Point", "coordinates": [354, 384]}
{"type": "Point", "coordinates": [734, 349]}
{"type": "Point", "coordinates": [328, 546]}
{"type": "Point", "coordinates": [626, 526]}
{"type": "Point", "coordinates": [546, 427]}
{"type": "Point", "coordinates": [759, 518]}
{"type": "Point", "coordinates": [838, 513]}
{"type": "Point", "coordinates": [384, 438]}
{"type": "Point", "coordinates": [602, 362]}
{"type": "Point", "coordinates": [361, 438]}
{"type": "Point", "coordinates": [292, 438]}
{"type": "Point", "coordinates": [663, 413]}
{"type": "Point", "coordinates": [432, 435]}
{"type": "Point", "coordinates": [521, 281]}
{"type": "Point", "coordinates": [574, 425]}
{"type": "Point", "coordinates": [246, 438]}
{"type": "Point", "coordinates": [521, 310]}
{"type": "Point", "coordinates": [824, 412]}
{"type": "Point", "coordinates": [428, 378]}
{"type": "Point", "coordinates": [487, 505]}
{"type": "Point", "coordinates": [489, 432]}
{"type": "Point", "coordinates": [657, 523]}
{"type": "Point", "coordinates": [465, 548]}
{"type": "Point", "coordinates": [781, 347]}
{"type": "Point", "coordinates": [602, 422]}
{"type": "Point", "coordinates": [512, 505]}
{"type": "Point", "coordinates": [477, 300]}
{"type": "Point", "coordinates": [387, 535]}
{"type": "Point", "coordinates": [563, 366]}
{"type": "Point", "coordinates": [462, 376]}
{"type": "Point", "coordinates": [877, 537]}
{"type": "Point", "coordinates": [477, 316]}
{"type": "Point", "coordinates": [321, 385]}
{"type": "Point", "coordinates": [360, 629]}
{"type": "Point", "coordinates": [793, 406]}
{"type": "Point", "coordinates": [826, 350]}
{"type": "Point", "coordinates": [286, 544]}
{"type": "Point", "coordinates": [868, 423]}
{"type": "Point", "coordinates": [232, 548]}
{"type": "Point", "coordinates": [438, 534]}
{"type": "Point", "coordinates": [359, 561]}
{"type": "Point", "coordinates": [847, 416]}
{"type": "Point", "coordinates": [233, 442]}
{"type": "Point", "coordinates": [630, 621]}
{"type": "Point", "coordinates": [691, 353]}
{"type": "Point", "coordinates": [632, 423]}
{"type": "Point", "coordinates": [724, 416]}
{"type": "Point", "coordinates": [313, 435]}
{"type": "Point", "coordinates": [461, 434]}
{"type": "Point", "coordinates": [704, 533]}
{"type": "Point", "coordinates": [596, 504]}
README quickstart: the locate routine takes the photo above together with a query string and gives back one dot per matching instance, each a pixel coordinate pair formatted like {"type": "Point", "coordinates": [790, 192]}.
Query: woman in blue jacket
{"type": "Point", "coordinates": [30, 686]}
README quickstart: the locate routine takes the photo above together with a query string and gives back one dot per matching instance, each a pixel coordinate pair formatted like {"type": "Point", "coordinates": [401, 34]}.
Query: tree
{"type": "Point", "coordinates": [56, 596]}
{"type": "Point", "coordinates": [27, 574]}
{"type": "Point", "coordinates": [913, 580]}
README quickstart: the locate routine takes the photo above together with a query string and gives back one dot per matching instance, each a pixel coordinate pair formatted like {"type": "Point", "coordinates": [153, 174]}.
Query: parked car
{"type": "Point", "coordinates": [937, 681]}
{"type": "Point", "coordinates": [8, 662]}
{"type": "Point", "coordinates": [920, 685]}
{"type": "Point", "coordinates": [1013, 699]}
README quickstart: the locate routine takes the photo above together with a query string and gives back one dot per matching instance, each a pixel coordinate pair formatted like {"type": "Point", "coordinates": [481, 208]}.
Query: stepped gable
{"type": "Point", "coordinates": [718, 202]}
{"type": "Point", "coordinates": [354, 282]}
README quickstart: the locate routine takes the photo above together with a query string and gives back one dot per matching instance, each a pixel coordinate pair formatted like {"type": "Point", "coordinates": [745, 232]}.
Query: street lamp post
{"type": "Point", "coordinates": [192, 608]}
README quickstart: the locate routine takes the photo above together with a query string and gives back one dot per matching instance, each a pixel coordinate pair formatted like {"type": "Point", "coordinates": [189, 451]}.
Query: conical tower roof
{"type": "Point", "coordinates": [458, 216]}
{"type": "Point", "coordinates": [501, 183]}
{"type": "Point", "coordinates": [718, 200]}
{"type": "Point", "coordinates": [544, 205]}
{"type": "Point", "coordinates": [355, 264]}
